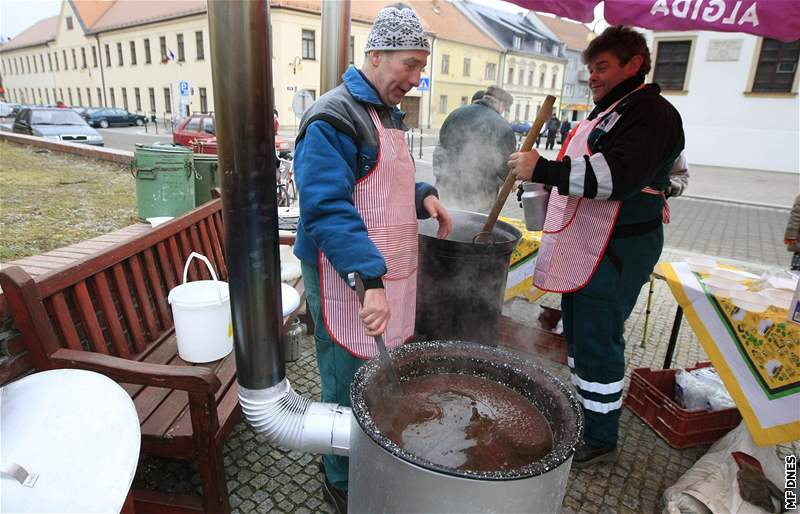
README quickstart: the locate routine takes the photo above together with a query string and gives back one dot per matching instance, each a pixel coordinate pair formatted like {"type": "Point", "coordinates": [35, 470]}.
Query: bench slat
{"type": "Point", "coordinates": [66, 324]}
{"type": "Point", "coordinates": [87, 314]}
{"type": "Point", "coordinates": [197, 247]}
{"type": "Point", "coordinates": [166, 267]}
{"type": "Point", "coordinates": [216, 241]}
{"type": "Point", "coordinates": [111, 316]}
{"type": "Point", "coordinates": [207, 249]}
{"type": "Point", "coordinates": [141, 295]}
{"type": "Point", "coordinates": [158, 291]}
{"type": "Point", "coordinates": [134, 327]}
{"type": "Point", "coordinates": [186, 247]}
{"type": "Point", "coordinates": [175, 255]}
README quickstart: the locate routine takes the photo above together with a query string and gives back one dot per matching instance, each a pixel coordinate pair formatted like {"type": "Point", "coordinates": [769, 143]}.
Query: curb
{"type": "Point", "coordinates": [738, 202]}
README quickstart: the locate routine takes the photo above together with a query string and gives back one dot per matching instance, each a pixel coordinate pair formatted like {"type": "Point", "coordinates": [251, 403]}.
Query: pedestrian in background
{"type": "Point", "coordinates": [792, 236]}
{"type": "Point", "coordinates": [566, 126]}
{"type": "Point", "coordinates": [552, 130]}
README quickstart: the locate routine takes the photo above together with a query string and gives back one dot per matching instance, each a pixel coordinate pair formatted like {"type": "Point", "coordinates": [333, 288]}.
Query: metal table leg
{"type": "Point", "coordinates": [673, 337]}
{"type": "Point", "coordinates": [647, 311]}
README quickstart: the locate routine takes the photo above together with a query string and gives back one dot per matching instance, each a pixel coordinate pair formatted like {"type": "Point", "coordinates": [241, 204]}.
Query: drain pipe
{"type": "Point", "coordinates": [241, 50]}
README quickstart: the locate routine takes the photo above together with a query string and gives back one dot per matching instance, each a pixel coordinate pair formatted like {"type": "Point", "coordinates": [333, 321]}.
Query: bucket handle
{"type": "Point", "coordinates": [208, 265]}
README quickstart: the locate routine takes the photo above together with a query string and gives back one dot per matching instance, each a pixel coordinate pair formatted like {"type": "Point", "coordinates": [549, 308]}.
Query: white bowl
{"type": "Point", "coordinates": [158, 220]}
{"type": "Point", "coordinates": [700, 264]}
{"type": "Point", "coordinates": [733, 274]}
{"type": "Point", "coordinates": [749, 301]}
{"type": "Point", "coordinates": [778, 297]}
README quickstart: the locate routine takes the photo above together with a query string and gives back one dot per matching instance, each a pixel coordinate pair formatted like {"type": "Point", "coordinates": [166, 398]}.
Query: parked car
{"type": "Point", "coordinates": [521, 127]}
{"type": "Point", "coordinates": [104, 118]}
{"type": "Point", "coordinates": [199, 127]}
{"type": "Point", "coordinates": [9, 110]}
{"type": "Point", "coordinates": [55, 124]}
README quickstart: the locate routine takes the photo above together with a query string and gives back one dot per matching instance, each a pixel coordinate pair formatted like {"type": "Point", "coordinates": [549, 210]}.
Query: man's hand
{"type": "Point", "coordinates": [523, 163]}
{"type": "Point", "coordinates": [437, 210]}
{"type": "Point", "coordinates": [375, 312]}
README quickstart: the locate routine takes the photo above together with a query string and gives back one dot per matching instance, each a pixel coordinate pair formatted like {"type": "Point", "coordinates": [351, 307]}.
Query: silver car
{"type": "Point", "coordinates": [56, 124]}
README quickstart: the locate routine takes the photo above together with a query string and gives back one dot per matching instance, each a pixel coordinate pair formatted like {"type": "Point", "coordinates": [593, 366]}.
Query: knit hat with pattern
{"type": "Point", "coordinates": [397, 28]}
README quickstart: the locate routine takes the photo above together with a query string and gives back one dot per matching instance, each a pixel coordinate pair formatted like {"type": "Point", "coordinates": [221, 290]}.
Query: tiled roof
{"type": "Point", "coordinates": [503, 26]}
{"type": "Point", "coordinates": [89, 11]}
{"type": "Point", "coordinates": [37, 34]}
{"type": "Point", "coordinates": [129, 13]}
{"type": "Point", "coordinates": [572, 33]}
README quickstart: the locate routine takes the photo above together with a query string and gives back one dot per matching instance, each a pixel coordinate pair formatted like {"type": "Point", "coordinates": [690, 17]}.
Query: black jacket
{"type": "Point", "coordinates": [470, 161]}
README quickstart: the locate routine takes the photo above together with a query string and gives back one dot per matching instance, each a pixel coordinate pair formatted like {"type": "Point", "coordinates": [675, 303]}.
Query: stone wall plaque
{"type": "Point", "coordinates": [724, 50]}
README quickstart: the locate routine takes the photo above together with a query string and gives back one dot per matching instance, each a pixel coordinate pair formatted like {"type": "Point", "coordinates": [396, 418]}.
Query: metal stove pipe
{"type": "Point", "coordinates": [243, 97]}
{"type": "Point", "coordinates": [335, 43]}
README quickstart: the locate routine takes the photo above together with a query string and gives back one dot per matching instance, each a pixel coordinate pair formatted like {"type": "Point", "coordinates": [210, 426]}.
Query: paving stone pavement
{"type": "Point", "coordinates": [264, 479]}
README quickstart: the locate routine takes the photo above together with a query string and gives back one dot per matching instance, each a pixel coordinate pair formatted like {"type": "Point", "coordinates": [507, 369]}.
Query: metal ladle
{"type": "Point", "coordinates": [485, 235]}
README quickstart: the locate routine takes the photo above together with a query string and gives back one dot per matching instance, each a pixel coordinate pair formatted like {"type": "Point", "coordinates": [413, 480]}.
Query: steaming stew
{"type": "Point", "coordinates": [464, 422]}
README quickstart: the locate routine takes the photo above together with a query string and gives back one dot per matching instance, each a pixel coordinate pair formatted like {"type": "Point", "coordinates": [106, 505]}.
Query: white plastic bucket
{"type": "Point", "coordinates": [202, 314]}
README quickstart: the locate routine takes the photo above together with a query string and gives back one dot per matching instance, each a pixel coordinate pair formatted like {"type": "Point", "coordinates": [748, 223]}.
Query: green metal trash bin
{"type": "Point", "coordinates": [206, 177]}
{"type": "Point", "coordinates": [164, 176]}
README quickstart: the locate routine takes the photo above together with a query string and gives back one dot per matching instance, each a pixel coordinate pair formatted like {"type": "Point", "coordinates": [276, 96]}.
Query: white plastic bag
{"type": "Point", "coordinates": [701, 389]}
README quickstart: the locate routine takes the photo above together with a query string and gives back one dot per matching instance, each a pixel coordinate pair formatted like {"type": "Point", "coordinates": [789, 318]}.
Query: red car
{"type": "Point", "coordinates": [201, 127]}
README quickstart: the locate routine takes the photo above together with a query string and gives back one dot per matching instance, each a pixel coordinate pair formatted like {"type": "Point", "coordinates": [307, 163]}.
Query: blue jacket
{"type": "Point", "coordinates": [338, 144]}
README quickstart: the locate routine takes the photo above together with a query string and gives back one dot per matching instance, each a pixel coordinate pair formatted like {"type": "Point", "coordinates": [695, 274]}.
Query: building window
{"type": "Point", "coordinates": [80, 100]}
{"type": "Point", "coordinates": [672, 59]}
{"type": "Point", "coordinates": [530, 78]}
{"type": "Point", "coordinates": [351, 49]}
{"type": "Point", "coordinates": [4, 67]}
{"type": "Point", "coordinates": [162, 42]}
{"type": "Point", "coordinates": [568, 90]}
{"type": "Point", "coordinates": [491, 69]}
{"type": "Point", "coordinates": [113, 97]}
{"type": "Point", "coordinates": [442, 104]}
{"type": "Point", "coordinates": [100, 101]}
{"type": "Point", "coordinates": [464, 100]}
{"type": "Point", "coordinates": [152, 93]}
{"type": "Point", "coordinates": [55, 58]}
{"type": "Point", "coordinates": [147, 59]}
{"type": "Point", "coordinates": [777, 66]}
{"type": "Point", "coordinates": [88, 97]}
{"type": "Point", "coordinates": [94, 57]}
{"type": "Point", "coordinates": [83, 58]}
{"type": "Point", "coordinates": [74, 59]}
{"type": "Point", "coordinates": [541, 80]}
{"type": "Point", "coordinates": [445, 64]}
{"type": "Point", "coordinates": [537, 47]}
{"type": "Point", "coordinates": [133, 53]}
{"type": "Point", "coordinates": [517, 41]}
{"type": "Point", "coordinates": [35, 66]}
{"type": "Point", "coordinates": [203, 100]}
{"type": "Point", "coordinates": [511, 75]}
{"type": "Point", "coordinates": [16, 67]}
{"type": "Point", "coordinates": [467, 64]}
{"type": "Point", "coordinates": [527, 111]}
{"type": "Point", "coordinates": [516, 112]}
{"type": "Point", "coordinates": [167, 100]}
{"type": "Point", "coordinates": [308, 44]}
{"type": "Point", "coordinates": [47, 95]}
{"type": "Point", "coordinates": [521, 77]}
{"type": "Point", "coordinates": [28, 62]}
{"type": "Point", "coordinates": [64, 55]}
{"type": "Point", "coordinates": [119, 54]}
{"type": "Point", "coordinates": [69, 93]}
{"type": "Point", "coordinates": [124, 98]}
{"type": "Point", "coordinates": [69, 22]}
{"type": "Point", "coordinates": [553, 81]}
{"type": "Point", "coordinates": [41, 61]}
{"type": "Point", "coordinates": [201, 51]}
{"type": "Point", "coordinates": [61, 94]}
{"type": "Point", "coordinates": [137, 97]}
{"type": "Point", "coordinates": [181, 54]}
{"type": "Point", "coordinates": [108, 56]}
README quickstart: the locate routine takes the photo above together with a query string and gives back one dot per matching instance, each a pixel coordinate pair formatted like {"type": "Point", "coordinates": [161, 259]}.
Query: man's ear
{"type": "Point", "coordinates": [634, 65]}
{"type": "Point", "coordinates": [375, 57]}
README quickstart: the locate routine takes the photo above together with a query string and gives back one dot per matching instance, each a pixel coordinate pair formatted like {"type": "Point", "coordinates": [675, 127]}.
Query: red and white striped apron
{"type": "Point", "coordinates": [576, 230]}
{"type": "Point", "coordinates": [385, 199]}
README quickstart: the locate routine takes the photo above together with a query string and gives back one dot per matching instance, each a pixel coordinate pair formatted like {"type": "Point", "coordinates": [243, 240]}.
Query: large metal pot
{"type": "Point", "coordinates": [460, 284]}
{"type": "Point", "coordinates": [386, 478]}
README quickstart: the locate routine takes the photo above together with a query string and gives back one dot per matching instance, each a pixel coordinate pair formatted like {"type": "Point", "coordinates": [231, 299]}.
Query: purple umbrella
{"type": "Point", "coordinates": [777, 19]}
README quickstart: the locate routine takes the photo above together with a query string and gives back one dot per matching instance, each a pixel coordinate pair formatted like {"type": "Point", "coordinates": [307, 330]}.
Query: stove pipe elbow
{"type": "Point", "coordinates": [296, 423]}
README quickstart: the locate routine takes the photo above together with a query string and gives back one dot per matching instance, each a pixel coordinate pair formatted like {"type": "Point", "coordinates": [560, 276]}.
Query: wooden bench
{"type": "Point", "coordinates": [109, 313]}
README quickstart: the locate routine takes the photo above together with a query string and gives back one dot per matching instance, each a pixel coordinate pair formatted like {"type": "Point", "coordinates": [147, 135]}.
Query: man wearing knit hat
{"type": "Point", "coordinates": [359, 206]}
{"type": "Point", "coordinates": [475, 142]}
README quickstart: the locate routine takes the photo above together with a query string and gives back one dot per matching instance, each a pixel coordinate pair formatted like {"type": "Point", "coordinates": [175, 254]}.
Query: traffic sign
{"type": "Point", "coordinates": [424, 84]}
{"type": "Point", "coordinates": [184, 88]}
{"type": "Point", "coordinates": [301, 102]}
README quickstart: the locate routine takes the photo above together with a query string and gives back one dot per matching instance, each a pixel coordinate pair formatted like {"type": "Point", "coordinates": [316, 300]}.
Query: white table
{"type": "Point", "coordinates": [78, 431]}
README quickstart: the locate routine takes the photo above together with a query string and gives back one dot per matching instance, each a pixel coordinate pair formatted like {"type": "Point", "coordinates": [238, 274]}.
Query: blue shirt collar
{"type": "Point", "coordinates": [363, 91]}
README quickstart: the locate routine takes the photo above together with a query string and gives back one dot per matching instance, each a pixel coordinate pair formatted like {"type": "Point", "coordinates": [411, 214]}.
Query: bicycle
{"type": "Point", "coordinates": [287, 190]}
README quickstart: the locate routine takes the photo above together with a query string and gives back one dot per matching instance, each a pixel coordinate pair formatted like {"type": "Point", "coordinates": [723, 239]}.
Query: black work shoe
{"type": "Point", "coordinates": [334, 496]}
{"type": "Point", "coordinates": [588, 455]}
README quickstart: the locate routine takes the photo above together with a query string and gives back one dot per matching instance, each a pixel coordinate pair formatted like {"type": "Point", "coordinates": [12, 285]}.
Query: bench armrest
{"type": "Point", "coordinates": [195, 379]}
